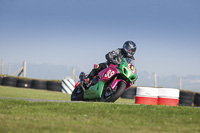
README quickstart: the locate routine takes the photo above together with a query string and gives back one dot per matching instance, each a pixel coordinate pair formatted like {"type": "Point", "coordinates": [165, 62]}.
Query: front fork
{"type": "Point", "coordinates": [115, 81]}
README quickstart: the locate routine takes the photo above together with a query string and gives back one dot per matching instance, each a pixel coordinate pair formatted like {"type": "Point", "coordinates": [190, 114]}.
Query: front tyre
{"type": "Point", "coordinates": [110, 95]}
{"type": "Point", "coordinates": [77, 94]}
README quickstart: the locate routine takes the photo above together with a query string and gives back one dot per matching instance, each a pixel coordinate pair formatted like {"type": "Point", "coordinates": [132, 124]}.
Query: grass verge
{"type": "Point", "coordinates": [17, 116]}
{"type": "Point", "coordinates": [15, 92]}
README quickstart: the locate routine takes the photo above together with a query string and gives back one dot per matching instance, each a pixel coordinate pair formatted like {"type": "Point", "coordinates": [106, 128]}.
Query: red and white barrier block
{"type": "Point", "coordinates": [168, 96]}
{"type": "Point", "coordinates": [146, 95]}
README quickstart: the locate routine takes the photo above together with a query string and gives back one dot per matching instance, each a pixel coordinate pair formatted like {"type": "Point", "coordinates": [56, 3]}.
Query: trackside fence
{"type": "Point", "coordinates": [20, 71]}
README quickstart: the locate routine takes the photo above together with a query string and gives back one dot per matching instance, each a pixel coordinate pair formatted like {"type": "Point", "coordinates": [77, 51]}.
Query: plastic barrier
{"type": "Point", "coordinates": [146, 100]}
{"type": "Point", "coordinates": [146, 95]}
{"type": "Point", "coordinates": [168, 101]}
{"type": "Point", "coordinates": [168, 96]}
{"type": "Point", "coordinates": [68, 85]}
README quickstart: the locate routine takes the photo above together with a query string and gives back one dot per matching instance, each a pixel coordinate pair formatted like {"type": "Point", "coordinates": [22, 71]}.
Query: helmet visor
{"type": "Point", "coordinates": [131, 51]}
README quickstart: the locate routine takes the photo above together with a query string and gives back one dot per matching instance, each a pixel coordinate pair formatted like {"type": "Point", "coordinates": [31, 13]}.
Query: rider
{"type": "Point", "coordinates": [114, 57]}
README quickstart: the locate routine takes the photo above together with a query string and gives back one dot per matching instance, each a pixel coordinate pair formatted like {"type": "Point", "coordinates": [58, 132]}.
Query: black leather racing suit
{"type": "Point", "coordinates": [113, 57]}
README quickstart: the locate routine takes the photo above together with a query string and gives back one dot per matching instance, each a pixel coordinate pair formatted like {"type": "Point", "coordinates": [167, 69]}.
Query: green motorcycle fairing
{"type": "Point", "coordinates": [128, 71]}
{"type": "Point", "coordinates": [95, 91]}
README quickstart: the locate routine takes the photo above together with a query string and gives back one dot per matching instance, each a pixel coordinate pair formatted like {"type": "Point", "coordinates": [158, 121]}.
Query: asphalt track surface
{"type": "Point", "coordinates": [59, 101]}
{"type": "Point", "coordinates": [35, 100]}
{"type": "Point", "coordinates": [62, 101]}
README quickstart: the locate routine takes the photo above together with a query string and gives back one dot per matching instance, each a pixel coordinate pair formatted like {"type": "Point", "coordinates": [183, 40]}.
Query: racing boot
{"type": "Point", "coordinates": [82, 76]}
{"type": "Point", "coordinates": [82, 80]}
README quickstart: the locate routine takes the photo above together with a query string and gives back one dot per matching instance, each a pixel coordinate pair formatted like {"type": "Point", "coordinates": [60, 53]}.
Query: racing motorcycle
{"type": "Point", "coordinates": [108, 85]}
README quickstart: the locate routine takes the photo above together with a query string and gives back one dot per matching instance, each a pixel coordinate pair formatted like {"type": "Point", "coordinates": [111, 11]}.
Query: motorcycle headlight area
{"type": "Point", "coordinates": [132, 68]}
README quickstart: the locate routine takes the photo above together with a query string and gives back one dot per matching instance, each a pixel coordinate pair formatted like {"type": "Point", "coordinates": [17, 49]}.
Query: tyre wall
{"type": "Point", "coordinates": [31, 83]}
{"type": "Point", "coordinates": [9, 81]}
{"type": "Point", "coordinates": [24, 83]}
{"type": "Point", "coordinates": [39, 84]}
{"type": "Point", "coordinates": [197, 99]}
{"type": "Point", "coordinates": [0, 80]}
{"type": "Point", "coordinates": [186, 98]}
{"type": "Point", "coordinates": [54, 86]}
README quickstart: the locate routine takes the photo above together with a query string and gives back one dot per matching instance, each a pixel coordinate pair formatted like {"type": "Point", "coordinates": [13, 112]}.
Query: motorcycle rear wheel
{"type": "Point", "coordinates": [77, 94]}
{"type": "Point", "coordinates": [120, 87]}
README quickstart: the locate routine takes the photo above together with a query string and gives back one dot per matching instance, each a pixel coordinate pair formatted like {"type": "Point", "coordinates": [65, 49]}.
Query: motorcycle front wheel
{"type": "Point", "coordinates": [77, 94]}
{"type": "Point", "coordinates": [110, 95]}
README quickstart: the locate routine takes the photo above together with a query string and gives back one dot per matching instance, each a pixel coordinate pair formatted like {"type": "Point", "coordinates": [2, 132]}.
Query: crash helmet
{"type": "Point", "coordinates": [129, 48]}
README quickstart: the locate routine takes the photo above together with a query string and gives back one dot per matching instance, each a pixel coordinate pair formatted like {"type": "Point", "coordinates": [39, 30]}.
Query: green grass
{"type": "Point", "coordinates": [18, 116]}
{"type": "Point", "coordinates": [14, 92]}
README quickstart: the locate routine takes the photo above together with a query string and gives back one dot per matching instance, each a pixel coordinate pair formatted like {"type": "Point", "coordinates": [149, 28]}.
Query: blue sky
{"type": "Point", "coordinates": [80, 32]}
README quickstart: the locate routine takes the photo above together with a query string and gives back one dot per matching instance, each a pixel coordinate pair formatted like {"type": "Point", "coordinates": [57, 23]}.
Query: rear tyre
{"type": "Point", "coordinates": [109, 95]}
{"type": "Point", "coordinates": [77, 94]}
